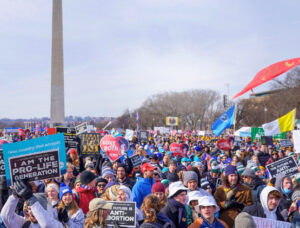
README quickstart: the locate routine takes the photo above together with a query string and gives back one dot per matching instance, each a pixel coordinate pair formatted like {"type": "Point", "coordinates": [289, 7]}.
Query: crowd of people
{"type": "Point", "coordinates": [203, 187]}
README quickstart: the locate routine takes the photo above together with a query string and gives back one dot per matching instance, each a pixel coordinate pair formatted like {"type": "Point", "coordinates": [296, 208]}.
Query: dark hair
{"type": "Point", "coordinates": [225, 182]}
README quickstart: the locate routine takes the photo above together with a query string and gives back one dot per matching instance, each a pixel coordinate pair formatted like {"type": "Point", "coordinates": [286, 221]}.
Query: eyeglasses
{"type": "Point", "coordinates": [101, 185]}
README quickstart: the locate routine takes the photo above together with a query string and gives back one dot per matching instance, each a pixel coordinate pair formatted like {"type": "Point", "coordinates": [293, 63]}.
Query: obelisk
{"type": "Point", "coordinates": [57, 67]}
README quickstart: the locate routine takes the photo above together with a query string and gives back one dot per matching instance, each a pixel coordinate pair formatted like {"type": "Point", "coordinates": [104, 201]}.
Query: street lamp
{"type": "Point", "coordinates": [265, 113]}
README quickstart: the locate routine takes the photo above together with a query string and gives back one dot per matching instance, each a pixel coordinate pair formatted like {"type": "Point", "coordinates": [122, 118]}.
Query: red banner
{"type": "Point", "coordinates": [269, 73]}
{"type": "Point", "coordinates": [176, 149]}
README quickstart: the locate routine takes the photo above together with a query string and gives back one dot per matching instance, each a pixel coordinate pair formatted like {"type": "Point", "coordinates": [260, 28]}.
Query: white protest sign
{"type": "Point", "coordinates": [128, 134]}
{"type": "Point", "coordinates": [296, 137]}
{"type": "Point", "coordinates": [81, 128]}
{"type": "Point", "coordinates": [270, 223]}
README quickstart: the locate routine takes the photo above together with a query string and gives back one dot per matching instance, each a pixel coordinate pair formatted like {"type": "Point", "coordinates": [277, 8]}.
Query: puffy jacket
{"type": "Point", "coordinates": [76, 220]}
{"type": "Point", "coordinates": [141, 189]}
{"type": "Point", "coordinates": [85, 196]}
{"type": "Point", "coordinates": [46, 219]}
{"type": "Point", "coordinates": [128, 182]}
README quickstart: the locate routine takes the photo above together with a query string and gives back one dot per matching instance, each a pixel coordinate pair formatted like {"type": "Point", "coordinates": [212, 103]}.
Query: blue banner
{"type": "Point", "coordinates": [35, 159]}
{"type": "Point", "coordinates": [226, 120]}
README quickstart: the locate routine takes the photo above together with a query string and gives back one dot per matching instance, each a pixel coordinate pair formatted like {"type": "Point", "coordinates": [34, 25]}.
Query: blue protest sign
{"type": "Point", "coordinates": [35, 159]}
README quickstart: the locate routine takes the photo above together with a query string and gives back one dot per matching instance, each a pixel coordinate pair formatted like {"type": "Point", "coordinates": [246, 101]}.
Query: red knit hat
{"type": "Point", "coordinates": [158, 187]}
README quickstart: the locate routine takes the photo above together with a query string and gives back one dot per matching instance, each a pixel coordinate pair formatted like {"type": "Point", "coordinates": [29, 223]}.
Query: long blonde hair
{"type": "Point", "coordinates": [95, 218]}
{"type": "Point", "coordinates": [73, 207]}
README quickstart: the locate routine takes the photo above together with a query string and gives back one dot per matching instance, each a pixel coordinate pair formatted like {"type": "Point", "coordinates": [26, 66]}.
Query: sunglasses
{"type": "Point", "coordinates": [101, 185]}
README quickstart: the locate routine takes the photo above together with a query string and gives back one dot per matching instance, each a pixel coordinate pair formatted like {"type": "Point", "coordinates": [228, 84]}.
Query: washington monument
{"type": "Point", "coordinates": [57, 66]}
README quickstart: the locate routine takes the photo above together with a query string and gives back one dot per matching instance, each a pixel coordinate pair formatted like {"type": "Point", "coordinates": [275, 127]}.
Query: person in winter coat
{"type": "Point", "coordinates": [124, 195]}
{"type": "Point", "coordinates": [100, 184]}
{"type": "Point", "coordinates": [122, 177]}
{"type": "Point", "coordinates": [158, 189]}
{"type": "Point", "coordinates": [192, 214]}
{"type": "Point", "coordinates": [253, 182]}
{"type": "Point", "coordinates": [52, 192]}
{"type": "Point", "coordinates": [175, 207]}
{"type": "Point", "coordinates": [143, 185]}
{"type": "Point", "coordinates": [153, 218]}
{"type": "Point", "coordinates": [190, 180]}
{"type": "Point", "coordinates": [68, 211]}
{"type": "Point", "coordinates": [207, 207]}
{"type": "Point", "coordinates": [284, 185]}
{"type": "Point", "coordinates": [296, 217]}
{"type": "Point", "coordinates": [268, 206]}
{"type": "Point", "coordinates": [232, 197]}
{"type": "Point", "coordinates": [99, 210]}
{"type": "Point", "coordinates": [36, 210]}
{"type": "Point", "coordinates": [87, 191]}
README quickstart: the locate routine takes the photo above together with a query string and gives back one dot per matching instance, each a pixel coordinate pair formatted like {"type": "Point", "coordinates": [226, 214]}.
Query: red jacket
{"type": "Point", "coordinates": [84, 196]}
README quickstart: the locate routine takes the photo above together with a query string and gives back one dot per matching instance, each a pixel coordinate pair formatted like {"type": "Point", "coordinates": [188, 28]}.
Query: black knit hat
{"type": "Point", "coordinates": [87, 177]}
{"type": "Point", "coordinates": [100, 179]}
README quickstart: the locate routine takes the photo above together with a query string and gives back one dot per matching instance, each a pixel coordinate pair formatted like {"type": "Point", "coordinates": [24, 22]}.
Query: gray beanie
{"type": "Point", "coordinates": [248, 173]}
{"type": "Point", "coordinates": [41, 197]}
{"type": "Point", "coordinates": [244, 220]}
{"type": "Point", "coordinates": [189, 175]}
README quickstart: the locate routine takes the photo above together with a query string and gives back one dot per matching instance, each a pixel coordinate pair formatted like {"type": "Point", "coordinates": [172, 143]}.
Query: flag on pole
{"type": "Point", "coordinates": [280, 125]}
{"type": "Point", "coordinates": [226, 120]}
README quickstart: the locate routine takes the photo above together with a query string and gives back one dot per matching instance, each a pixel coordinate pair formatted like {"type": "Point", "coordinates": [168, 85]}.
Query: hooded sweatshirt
{"type": "Point", "coordinates": [264, 202]}
{"type": "Point", "coordinates": [286, 201]}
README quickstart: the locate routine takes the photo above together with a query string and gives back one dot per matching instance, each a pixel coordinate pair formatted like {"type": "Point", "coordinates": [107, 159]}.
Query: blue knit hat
{"type": "Point", "coordinates": [63, 190]}
{"type": "Point", "coordinates": [230, 169]}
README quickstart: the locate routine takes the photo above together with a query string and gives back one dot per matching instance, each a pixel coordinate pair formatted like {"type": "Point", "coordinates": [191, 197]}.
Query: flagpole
{"type": "Point", "coordinates": [234, 122]}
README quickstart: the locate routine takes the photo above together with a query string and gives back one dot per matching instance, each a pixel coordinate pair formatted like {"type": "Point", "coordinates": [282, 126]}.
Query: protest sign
{"type": "Point", "coordinates": [71, 139]}
{"type": "Point", "coordinates": [136, 160]}
{"type": "Point", "coordinates": [223, 144]}
{"type": "Point", "coordinates": [129, 134]}
{"type": "Point", "coordinates": [81, 128]}
{"type": "Point", "coordinates": [51, 131]}
{"type": "Point", "coordinates": [90, 143]}
{"type": "Point", "coordinates": [296, 139]}
{"type": "Point", "coordinates": [143, 135]}
{"type": "Point", "coordinates": [172, 121]}
{"type": "Point", "coordinates": [36, 159]}
{"type": "Point", "coordinates": [270, 223]}
{"type": "Point", "coordinates": [110, 145]}
{"type": "Point", "coordinates": [286, 143]}
{"type": "Point", "coordinates": [123, 213]}
{"type": "Point", "coordinates": [286, 166]}
{"type": "Point", "coordinates": [2, 168]}
{"type": "Point", "coordinates": [176, 149]}
{"type": "Point", "coordinates": [123, 143]}
{"type": "Point", "coordinates": [184, 147]}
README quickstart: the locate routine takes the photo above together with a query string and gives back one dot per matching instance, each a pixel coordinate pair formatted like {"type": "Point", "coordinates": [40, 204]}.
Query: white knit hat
{"type": "Point", "coordinates": [54, 186]}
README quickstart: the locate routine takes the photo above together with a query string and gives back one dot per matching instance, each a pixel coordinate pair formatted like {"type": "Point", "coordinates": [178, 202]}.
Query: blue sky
{"type": "Point", "coordinates": [117, 53]}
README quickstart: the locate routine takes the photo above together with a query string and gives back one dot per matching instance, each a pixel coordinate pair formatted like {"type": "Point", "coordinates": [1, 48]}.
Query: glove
{"type": "Point", "coordinates": [234, 204]}
{"type": "Point", "coordinates": [23, 189]}
{"type": "Point", "coordinates": [62, 215]}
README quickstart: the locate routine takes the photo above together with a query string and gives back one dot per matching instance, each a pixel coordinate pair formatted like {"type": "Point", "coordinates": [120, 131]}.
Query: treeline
{"type": "Point", "coordinates": [198, 109]}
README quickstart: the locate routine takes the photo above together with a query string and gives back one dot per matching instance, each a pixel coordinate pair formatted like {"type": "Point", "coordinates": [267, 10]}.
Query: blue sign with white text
{"type": "Point", "coordinates": [35, 159]}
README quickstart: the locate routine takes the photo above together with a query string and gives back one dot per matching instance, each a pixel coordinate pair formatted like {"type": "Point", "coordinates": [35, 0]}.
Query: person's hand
{"type": "Point", "coordinates": [234, 204]}
{"type": "Point", "coordinates": [23, 189]}
{"type": "Point", "coordinates": [62, 215]}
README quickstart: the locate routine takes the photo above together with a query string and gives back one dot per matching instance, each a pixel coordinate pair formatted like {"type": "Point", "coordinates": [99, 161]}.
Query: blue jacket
{"type": "Point", "coordinates": [141, 189]}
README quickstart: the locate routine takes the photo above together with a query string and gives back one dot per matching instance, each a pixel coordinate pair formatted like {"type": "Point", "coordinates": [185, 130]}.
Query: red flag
{"type": "Point", "coordinates": [269, 73]}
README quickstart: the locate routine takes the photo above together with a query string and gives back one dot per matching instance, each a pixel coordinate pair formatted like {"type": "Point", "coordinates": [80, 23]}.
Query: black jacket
{"type": "Point", "coordinates": [176, 212]}
{"type": "Point", "coordinates": [128, 182]}
{"type": "Point", "coordinates": [257, 210]}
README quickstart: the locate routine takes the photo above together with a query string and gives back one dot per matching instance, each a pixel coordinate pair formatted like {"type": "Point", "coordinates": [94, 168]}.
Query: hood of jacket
{"type": "Point", "coordinates": [264, 201]}
{"type": "Point", "coordinates": [279, 181]}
